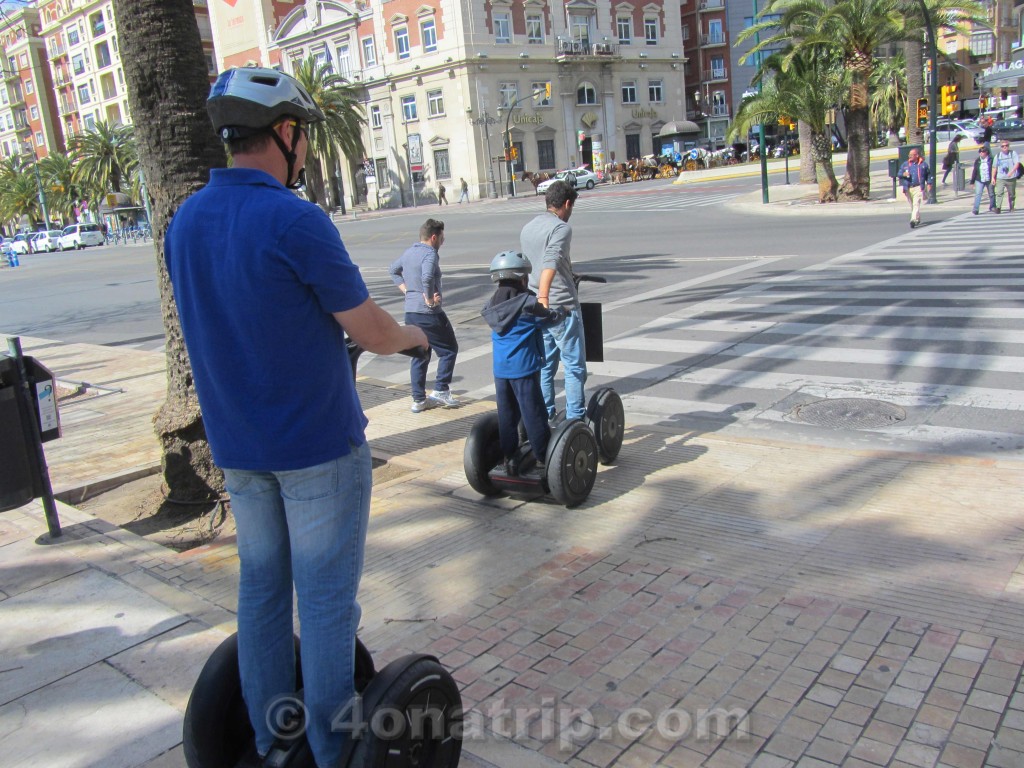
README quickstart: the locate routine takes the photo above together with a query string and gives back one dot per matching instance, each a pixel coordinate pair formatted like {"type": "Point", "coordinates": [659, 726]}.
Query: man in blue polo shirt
{"type": "Point", "coordinates": [266, 292]}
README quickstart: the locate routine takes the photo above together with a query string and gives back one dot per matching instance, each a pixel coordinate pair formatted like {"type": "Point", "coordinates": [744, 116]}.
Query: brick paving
{"type": "Point", "coordinates": [716, 601]}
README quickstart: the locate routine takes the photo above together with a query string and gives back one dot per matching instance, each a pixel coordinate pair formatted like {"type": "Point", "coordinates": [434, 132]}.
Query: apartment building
{"type": "Point", "coordinates": [27, 100]}
{"type": "Point", "coordinates": [706, 47]}
{"type": "Point", "coordinates": [574, 82]}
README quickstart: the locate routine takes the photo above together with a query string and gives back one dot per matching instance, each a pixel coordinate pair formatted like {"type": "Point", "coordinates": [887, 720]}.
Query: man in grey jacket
{"type": "Point", "coordinates": [546, 241]}
{"type": "Point", "coordinates": [417, 273]}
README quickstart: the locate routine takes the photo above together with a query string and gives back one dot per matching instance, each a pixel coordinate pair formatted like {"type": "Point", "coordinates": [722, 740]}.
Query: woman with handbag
{"type": "Point", "coordinates": [952, 156]}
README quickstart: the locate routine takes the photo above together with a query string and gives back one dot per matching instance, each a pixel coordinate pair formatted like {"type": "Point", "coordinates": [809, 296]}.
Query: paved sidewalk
{"type": "Point", "coordinates": [717, 601]}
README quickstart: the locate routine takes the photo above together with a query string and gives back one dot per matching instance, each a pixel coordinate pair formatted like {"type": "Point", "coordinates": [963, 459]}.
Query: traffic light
{"type": "Point", "coordinates": [922, 113]}
{"type": "Point", "coordinates": [581, 137]}
{"type": "Point", "coordinates": [547, 90]}
{"type": "Point", "coordinates": [983, 102]}
{"type": "Point", "coordinates": [950, 103]}
{"type": "Point", "coordinates": [514, 153]}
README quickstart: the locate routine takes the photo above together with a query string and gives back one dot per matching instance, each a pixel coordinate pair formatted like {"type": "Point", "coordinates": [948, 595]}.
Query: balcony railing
{"type": "Point", "coordinates": [66, 109]}
{"type": "Point", "coordinates": [711, 5]}
{"type": "Point", "coordinates": [712, 39]}
{"type": "Point", "coordinates": [711, 75]}
{"type": "Point", "coordinates": [57, 50]}
{"type": "Point", "coordinates": [585, 48]}
{"type": "Point", "coordinates": [719, 110]}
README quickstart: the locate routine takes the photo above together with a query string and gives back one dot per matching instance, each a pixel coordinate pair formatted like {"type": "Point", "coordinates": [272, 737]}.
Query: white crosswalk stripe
{"type": "Point", "coordinates": [666, 200]}
{"type": "Point", "coordinates": [932, 321]}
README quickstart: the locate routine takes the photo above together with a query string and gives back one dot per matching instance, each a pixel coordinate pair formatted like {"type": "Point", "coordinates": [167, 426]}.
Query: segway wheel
{"type": "Point", "coordinates": [606, 417]}
{"type": "Point", "coordinates": [413, 716]}
{"type": "Point", "coordinates": [572, 463]}
{"type": "Point", "coordinates": [482, 453]}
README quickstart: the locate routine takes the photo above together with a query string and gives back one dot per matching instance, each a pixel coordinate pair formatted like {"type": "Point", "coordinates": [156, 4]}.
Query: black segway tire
{"type": "Point", "coordinates": [607, 418]}
{"type": "Point", "coordinates": [572, 463]}
{"type": "Point", "coordinates": [216, 731]}
{"type": "Point", "coordinates": [482, 454]}
{"type": "Point", "coordinates": [412, 713]}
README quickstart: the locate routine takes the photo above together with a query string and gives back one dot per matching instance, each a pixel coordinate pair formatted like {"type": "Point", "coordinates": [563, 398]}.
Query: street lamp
{"type": "Point", "coordinates": [39, 184]}
{"type": "Point", "coordinates": [762, 154]}
{"type": "Point", "coordinates": [933, 93]}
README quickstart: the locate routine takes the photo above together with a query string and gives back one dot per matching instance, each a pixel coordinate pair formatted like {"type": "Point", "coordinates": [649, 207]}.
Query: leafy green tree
{"type": "Point", "coordinates": [62, 192]}
{"type": "Point", "coordinates": [803, 86]}
{"type": "Point", "coordinates": [19, 193]}
{"type": "Point", "coordinates": [889, 96]}
{"type": "Point", "coordinates": [104, 157]}
{"type": "Point", "coordinates": [340, 133]}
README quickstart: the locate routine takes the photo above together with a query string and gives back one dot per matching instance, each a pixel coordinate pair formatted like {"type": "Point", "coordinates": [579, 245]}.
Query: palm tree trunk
{"type": "Point", "coordinates": [315, 182]}
{"type": "Point", "coordinates": [857, 184]}
{"type": "Point", "coordinates": [821, 154]}
{"type": "Point", "coordinates": [913, 50]}
{"type": "Point", "coordinates": [168, 82]}
{"type": "Point", "coordinates": [807, 163]}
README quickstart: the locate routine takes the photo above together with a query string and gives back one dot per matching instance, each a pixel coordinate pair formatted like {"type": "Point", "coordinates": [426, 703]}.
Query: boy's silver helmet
{"type": "Point", "coordinates": [247, 100]}
{"type": "Point", "coordinates": [509, 265]}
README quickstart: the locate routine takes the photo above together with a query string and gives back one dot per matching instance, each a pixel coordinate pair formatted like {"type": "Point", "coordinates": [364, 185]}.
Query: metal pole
{"type": "Point", "coordinates": [491, 190]}
{"type": "Point", "coordinates": [760, 128]}
{"type": "Point", "coordinates": [507, 140]}
{"type": "Point", "coordinates": [49, 503]}
{"type": "Point", "coordinates": [42, 195]}
{"type": "Point", "coordinates": [408, 161]}
{"type": "Point", "coordinates": [933, 94]}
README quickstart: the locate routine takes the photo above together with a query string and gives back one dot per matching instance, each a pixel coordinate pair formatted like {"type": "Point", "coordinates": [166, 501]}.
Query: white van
{"type": "Point", "coordinates": [81, 235]}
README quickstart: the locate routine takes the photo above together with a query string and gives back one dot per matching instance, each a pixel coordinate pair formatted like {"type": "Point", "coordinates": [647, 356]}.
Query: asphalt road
{"type": "Point", "coordinates": [714, 318]}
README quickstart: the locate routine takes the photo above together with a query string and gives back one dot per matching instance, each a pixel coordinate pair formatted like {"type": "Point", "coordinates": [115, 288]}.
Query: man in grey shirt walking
{"type": "Point", "coordinates": [546, 241]}
{"type": "Point", "coordinates": [417, 273]}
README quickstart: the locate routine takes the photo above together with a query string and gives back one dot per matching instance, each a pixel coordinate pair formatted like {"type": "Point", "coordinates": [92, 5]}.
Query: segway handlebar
{"type": "Point", "coordinates": [354, 351]}
{"type": "Point", "coordinates": [588, 279]}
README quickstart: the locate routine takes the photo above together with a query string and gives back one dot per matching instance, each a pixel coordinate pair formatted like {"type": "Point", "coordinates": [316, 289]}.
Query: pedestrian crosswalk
{"type": "Point", "coordinates": [931, 322]}
{"type": "Point", "coordinates": [609, 201]}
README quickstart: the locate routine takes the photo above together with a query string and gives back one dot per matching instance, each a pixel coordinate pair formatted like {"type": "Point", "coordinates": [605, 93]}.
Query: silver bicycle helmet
{"type": "Point", "coordinates": [247, 100]}
{"type": "Point", "coordinates": [509, 265]}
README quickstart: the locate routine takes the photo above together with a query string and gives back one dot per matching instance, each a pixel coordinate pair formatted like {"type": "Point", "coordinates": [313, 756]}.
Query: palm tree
{"type": "Point", "coordinates": [168, 83]}
{"type": "Point", "coordinates": [19, 193]}
{"type": "Point", "coordinates": [340, 134]}
{"type": "Point", "coordinates": [802, 86]}
{"type": "Point", "coordinates": [104, 157]}
{"type": "Point", "coordinates": [854, 29]}
{"type": "Point", "coordinates": [62, 193]}
{"type": "Point", "coordinates": [889, 96]}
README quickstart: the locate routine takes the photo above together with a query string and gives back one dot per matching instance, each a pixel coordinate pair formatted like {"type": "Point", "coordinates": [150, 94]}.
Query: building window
{"type": "Point", "coordinates": [375, 120]}
{"type": "Point", "coordinates": [629, 92]}
{"type": "Point", "coordinates": [369, 52]}
{"type": "Point", "coordinates": [78, 63]}
{"type": "Point", "coordinates": [545, 154]}
{"type": "Point", "coordinates": [29, 88]}
{"type": "Point", "coordinates": [34, 112]}
{"type": "Point", "coordinates": [102, 55]}
{"type": "Point", "coordinates": [429, 36]}
{"type": "Point", "coordinates": [715, 34]}
{"type": "Point", "coordinates": [435, 103]}
{"type": "Point", "coordinates": [586, 94]}
{"type": "Point", "coordinates": [98, 25]}
{"type": "Point", "coordinates": [718, 67]}
{"type": "Point", "coordinates": [39, 139]}
{"type": "Point", "coordinates": [383, 174]}
{"type": "Point", "coordinates": [655, 93]}
{"type": "Point", "coordinates": [83, 94]}
{"type": "Point", "coordinates": [540, 91]}
{"type": "Point", "coordinates": [442, 169]}
{"type": "Point", "coordinates": [72, 33]}
{"type": "Point", "coordinates": [402, 42]}
{"type": "Point", "coordinates": [90, 123]}
{"type": "Point", "coordinates": [508, 94]}
{"type": "Point", "coordinates": [625, 27]}
{"type": "Point", "coordinates": [22, 60]}
{"type": "Point", "coordinates": [502, 28]}
{"type": "Point", "coordinates": [409, 108]}
{"type": "Point", "coordinates": [651, 31]}
{"type": "Point", "coordinates": [344, 61]}
{"type": "Point", "coordinates": [579, 28]}
{"type": "Point", "coordinates": [535, 28]}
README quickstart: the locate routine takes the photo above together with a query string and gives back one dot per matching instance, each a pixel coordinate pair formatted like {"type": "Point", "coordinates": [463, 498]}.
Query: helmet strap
{"type": "Point", "coordinates": [289, 156]}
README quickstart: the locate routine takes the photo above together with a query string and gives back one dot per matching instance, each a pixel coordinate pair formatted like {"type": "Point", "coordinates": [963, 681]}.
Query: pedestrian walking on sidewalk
{"type": "Point", "coordinates": [915, 176]}
{"type": "Point", "coordinates": [464, 187]}
{"type": "Point", "coordinates": [442, 195]}
{"type": "Point", "coordinates": [546, 242]}
{"type": "Point", "coordinates": [1005, 169]}
{"type": "Point", "coordinates": [417, 273]}
{"type": "Point", "coordinates": [981, 178]}
{"type": "Point", "coordinates": [266, 296]}
{"type": "Point", "coordinates": [952, 156]}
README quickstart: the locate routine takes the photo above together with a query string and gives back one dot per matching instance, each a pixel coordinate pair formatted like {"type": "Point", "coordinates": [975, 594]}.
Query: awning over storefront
{"type": "Point", "coordinates": [677, 127]}
{"type": "Point", "coordinates": [1002, 75]}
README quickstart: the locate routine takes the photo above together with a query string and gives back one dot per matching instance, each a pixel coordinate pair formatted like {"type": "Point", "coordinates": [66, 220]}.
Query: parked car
{"type": "Point", "coordinates": [577, 177]}
{"type": "Point", "coordinates": [81, 235]}
{"type": "Point", "coordinates": [947, 129]}
{"type": "Point", "coordinates": [47, 241]}
{"type": "Point", "coordinates": [20, 243]}
{"type": "Point", "coordinates": [1008, 130]}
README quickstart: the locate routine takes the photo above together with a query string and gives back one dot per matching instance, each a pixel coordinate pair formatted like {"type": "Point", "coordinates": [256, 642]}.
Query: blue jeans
{"type": "Point", "coordinates": [979, 190]}
{"type": "Point", "coordinates": [564, 341]}
{"type": "Point", "coordinates": [306, 526]}
{"type": "Point", "coordinates": [441, 335]}
{"type": "Point", "coordinates": [521, 399]}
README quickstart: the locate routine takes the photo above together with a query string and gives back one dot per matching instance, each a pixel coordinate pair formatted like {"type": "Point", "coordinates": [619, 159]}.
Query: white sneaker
{"type": "Point", "coordinates": [446, 399]}
{"type": "Point", "coordinates": [418, 406]}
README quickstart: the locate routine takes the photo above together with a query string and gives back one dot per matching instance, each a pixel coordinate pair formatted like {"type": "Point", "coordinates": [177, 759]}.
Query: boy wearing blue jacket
{"type": "Point", "coordinates": [516, 317]}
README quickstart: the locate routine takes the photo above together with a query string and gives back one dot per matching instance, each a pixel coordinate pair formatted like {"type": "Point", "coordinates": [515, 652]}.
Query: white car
{"type": "Point", "coordinates": [577, 177]}
{"type": "Point", "coordinates": [20, 243]}
{"type": "Point", "coordinates": [81, 235]}
{"type": "Point", "coordinates": [946, 130]}
{"type": "Point", "coordinates": [46, 241]}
